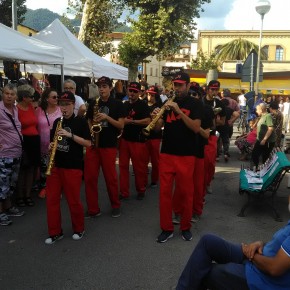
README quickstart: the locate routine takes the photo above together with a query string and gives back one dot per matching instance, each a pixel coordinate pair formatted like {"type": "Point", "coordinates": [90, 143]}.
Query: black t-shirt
{"type": "Point", "coordinates": [206, 122]}
{"type": "Point", "coordinates": [69, 154]}
{"type": "Point", "coordinates": [135, 111]}
{"type": "Point", "coordinates": [215, 103]}
{"type": "Point", "coordinates": [178, 139]}
{"type": "Point", "coordinates": [113, 108]}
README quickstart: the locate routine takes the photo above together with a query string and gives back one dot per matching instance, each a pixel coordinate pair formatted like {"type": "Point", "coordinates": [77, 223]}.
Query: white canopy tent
{"type": "Point", "coordinates": [18, 47]}
{"type": "Point", "coordinates": [78, 59]}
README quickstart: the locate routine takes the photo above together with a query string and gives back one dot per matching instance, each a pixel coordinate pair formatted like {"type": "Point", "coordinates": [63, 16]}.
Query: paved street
{"type": "Point", "coordinates": [121, 253]}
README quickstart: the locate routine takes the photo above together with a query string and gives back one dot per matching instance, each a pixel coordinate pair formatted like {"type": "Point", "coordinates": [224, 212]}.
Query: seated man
{"type": "Point", "coordinates": [217, 264]}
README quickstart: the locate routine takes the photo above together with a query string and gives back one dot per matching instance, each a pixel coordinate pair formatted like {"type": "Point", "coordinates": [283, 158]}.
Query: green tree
{"type": "Point", "coordinates": [98, 20]}
{"type": "Point", "coordinates": [238, 49]}
{"type": "Point", "coordinates": [6, 11]}
{"type": "Point", "coordinates": [161, 27]}
{"type": "Point", "coordinates": [204, 61]}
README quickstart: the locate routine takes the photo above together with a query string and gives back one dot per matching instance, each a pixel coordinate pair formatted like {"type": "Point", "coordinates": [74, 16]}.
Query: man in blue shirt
{"type": "Point", "coordinates": [217, 264]}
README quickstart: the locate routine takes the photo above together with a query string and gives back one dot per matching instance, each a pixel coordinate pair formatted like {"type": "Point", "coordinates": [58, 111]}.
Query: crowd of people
{"type": "Point", "coordinates": [181, 134]}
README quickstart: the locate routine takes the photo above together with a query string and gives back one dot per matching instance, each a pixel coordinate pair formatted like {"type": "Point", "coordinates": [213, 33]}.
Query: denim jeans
{"type": "Point", "coordinates": [214, 264]}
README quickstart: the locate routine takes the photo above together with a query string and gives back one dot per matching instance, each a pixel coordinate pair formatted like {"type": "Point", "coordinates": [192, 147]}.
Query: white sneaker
{"type": "Point", "coordinates": [52, 239]}
{"type": "Point", "coordinates": [78, 236]}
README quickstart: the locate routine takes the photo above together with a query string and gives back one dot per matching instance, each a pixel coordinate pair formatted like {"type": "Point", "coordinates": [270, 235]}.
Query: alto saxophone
{"type": "Point", "coordinates": [56, 138]}
{"type": "Point", "coordinates": [96, 127]}
{"type": "Point", "coordinates": [146, 130]}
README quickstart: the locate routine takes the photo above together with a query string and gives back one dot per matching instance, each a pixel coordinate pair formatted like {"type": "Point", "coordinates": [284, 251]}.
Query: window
{"type": "Point", "coordinates": [156, 72]}
{"type": "Point", "coordinates": [265, 49]}
{"type": "Point", "coordinates": [151, 71]}
{"type": "Point", "coordinates": [279, 53]}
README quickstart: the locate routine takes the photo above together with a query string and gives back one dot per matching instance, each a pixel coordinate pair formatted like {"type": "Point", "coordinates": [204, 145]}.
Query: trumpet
{"type": "Point", "coordinates": [146, 131]}
{"type": "Point", "coordinates": [56, 138]}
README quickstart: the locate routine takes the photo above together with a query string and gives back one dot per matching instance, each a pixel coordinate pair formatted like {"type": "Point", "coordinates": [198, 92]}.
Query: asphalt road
{"type": "Point", "coordinates": [121, 253]}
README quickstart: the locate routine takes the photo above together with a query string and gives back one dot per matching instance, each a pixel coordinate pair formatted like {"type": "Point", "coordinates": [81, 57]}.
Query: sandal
{"type": "Point", "coordinates": [29, 201]}
{"type": "Point", "coordinates": [20, 202]}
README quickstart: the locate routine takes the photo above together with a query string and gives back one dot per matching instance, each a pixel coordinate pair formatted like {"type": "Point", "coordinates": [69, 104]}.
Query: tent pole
{"type": "Point", "coordinates": [62, 77]}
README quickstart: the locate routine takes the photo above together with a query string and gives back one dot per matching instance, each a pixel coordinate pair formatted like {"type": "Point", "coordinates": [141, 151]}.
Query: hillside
{"type": "Point", "coordinates": [40, 18]}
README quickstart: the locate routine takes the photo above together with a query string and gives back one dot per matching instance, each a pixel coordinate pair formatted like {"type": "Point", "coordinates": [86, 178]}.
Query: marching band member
{"type": "Point", "coordinates": [109, 114]}
{"type": "Point", "coordinates": [219, 120]}
{"type": "Point", "coordinates": [177, 158]}
{"type": "Point", "coordinates": [132, 144]}
{"type": "Point", "coordinates": [154, 139]}
{"type": "Point", "coordinates": [66, 175]}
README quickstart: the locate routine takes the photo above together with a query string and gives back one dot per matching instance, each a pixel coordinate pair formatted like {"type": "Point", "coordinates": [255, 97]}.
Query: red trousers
{"type": "Point", "coordinates": [95, 159]}
{"type": "Point", "coordinates": [69, 181]}
{"type": "Point", "coordinates": [138, 153]}
{"type": "Point", "coordinates": [210, 159]}
{"type": "Point", "coordinates": [178, 171]}
{"type": "Point", "coordinates": [199, 186]}
{"type": "Point", "coordinates": [153, 147]}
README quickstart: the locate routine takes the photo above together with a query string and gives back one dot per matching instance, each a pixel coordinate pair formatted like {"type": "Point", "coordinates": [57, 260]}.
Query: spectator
{"type": "Point", "coordinates": [31, 145]}
{"type": "Point", "coordinates": [266, 136]}
{"type": "Point", "coordinates": [10, 153]}
{"type": "Point", "coordinates": [79, 106]}
{"type": "Point", "coordinates": [46, 114]}
{"type": "Point", "coordinates": [218, 264]}
{"type": "Point", "coordinates": [277, 117]}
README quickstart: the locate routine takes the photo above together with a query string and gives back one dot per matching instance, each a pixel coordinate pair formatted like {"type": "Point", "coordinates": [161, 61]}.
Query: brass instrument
{"type": "Point", "coordinates": [96, 127]}
{"type": "Point", "coordinates": [217, 110]}
{"type": "Point", "coordinates": [146, 130]}
{"type": "Point", "coordinates": [56, 138]}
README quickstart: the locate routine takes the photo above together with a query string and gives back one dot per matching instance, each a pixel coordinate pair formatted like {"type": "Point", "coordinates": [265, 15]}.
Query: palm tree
{"type": "Point", "coordinates": [238, 49]}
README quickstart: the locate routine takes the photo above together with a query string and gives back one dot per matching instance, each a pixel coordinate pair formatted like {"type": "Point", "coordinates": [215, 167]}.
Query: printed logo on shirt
{"type": "Point", "coordinates": [105, 110]}
{"type": "Point", "coordinates": [132, 113]}
{"type": "Point", "coordinates": [171, 116]}
{"type": "Point", "coordinates": [63, 145]}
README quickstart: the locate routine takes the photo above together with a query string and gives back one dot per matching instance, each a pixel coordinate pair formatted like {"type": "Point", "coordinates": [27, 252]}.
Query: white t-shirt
{"type": "Point", "coordinates": [242, 100]}
{"type": "Point", "coordinates": [286, 108]}
{"type": "Point", "coordinates": [78, 103]}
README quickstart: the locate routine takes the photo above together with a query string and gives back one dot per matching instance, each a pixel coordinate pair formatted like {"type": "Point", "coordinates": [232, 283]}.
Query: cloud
{"type": "Point", "coordinates": [244, 16]}
{"type": "Point", "coordinates": [58, 6]}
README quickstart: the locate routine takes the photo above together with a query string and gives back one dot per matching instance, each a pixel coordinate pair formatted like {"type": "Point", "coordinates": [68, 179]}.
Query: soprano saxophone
{"type": "Point", "coordinates": [96, 127]}
{"type": "Point", "coordinates": [146, 130]}
{"type": "Point", "coordinates": [56, 138]}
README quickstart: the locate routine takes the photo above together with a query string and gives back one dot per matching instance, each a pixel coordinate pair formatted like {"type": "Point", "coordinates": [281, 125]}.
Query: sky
{"type": "Point", "coordinates": [218, 15]}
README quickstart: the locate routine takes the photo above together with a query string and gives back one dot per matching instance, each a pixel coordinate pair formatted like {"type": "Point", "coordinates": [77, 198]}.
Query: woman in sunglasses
{"type": "Point", "coordinates": [47, 112]}
{"type": "Point", "coordinates": [31, 145]}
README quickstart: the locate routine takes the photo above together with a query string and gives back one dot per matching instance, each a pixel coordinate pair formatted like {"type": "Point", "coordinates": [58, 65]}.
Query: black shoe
{"type": "Point", "coordinates": [121, 197]}
{"type": "Point", "coordinates": [140, 196]}
{"type": "Point", "coordinates": [187, 235]}
{"type": "Point", "coordinates": [52, 239]}
{"type": "Point", "coordinates": [91, 216]}
{"type": "Point", "coordinates": [116, 212]}
{"type": "Point", "coordinates": [164, 236]}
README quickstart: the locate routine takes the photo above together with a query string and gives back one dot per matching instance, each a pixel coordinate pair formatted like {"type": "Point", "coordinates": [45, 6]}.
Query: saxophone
{"type": "Point", "coordinates": [56, 138]}
{"type": "Point", "coordinates": [146, 130]}
{"type": "Point", "coordinates": [96, 127]}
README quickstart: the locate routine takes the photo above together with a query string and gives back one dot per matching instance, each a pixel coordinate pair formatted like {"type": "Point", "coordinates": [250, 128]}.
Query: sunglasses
{"type": "Point", "coordinates": [54, 97]}
{"type": "Point", "coordinates": [213, 89]}
{"type": "Point", "coordinates": [68, 88]}
{"type": "Point", "coordinates": [133, 91]}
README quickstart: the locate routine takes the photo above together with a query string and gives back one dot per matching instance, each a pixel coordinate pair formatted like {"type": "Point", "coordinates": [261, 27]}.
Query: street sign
{"type": "Point", "coordinates": [249, 70]}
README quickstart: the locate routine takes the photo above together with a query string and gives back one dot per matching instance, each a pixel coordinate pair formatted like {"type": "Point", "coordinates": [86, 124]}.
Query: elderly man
{"type": "Point", "coordinates": [80, 107]}
{"type": "Point", "coordinates": [10, 153]}
{"type": "Point", "coordinates": [266, 136]}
